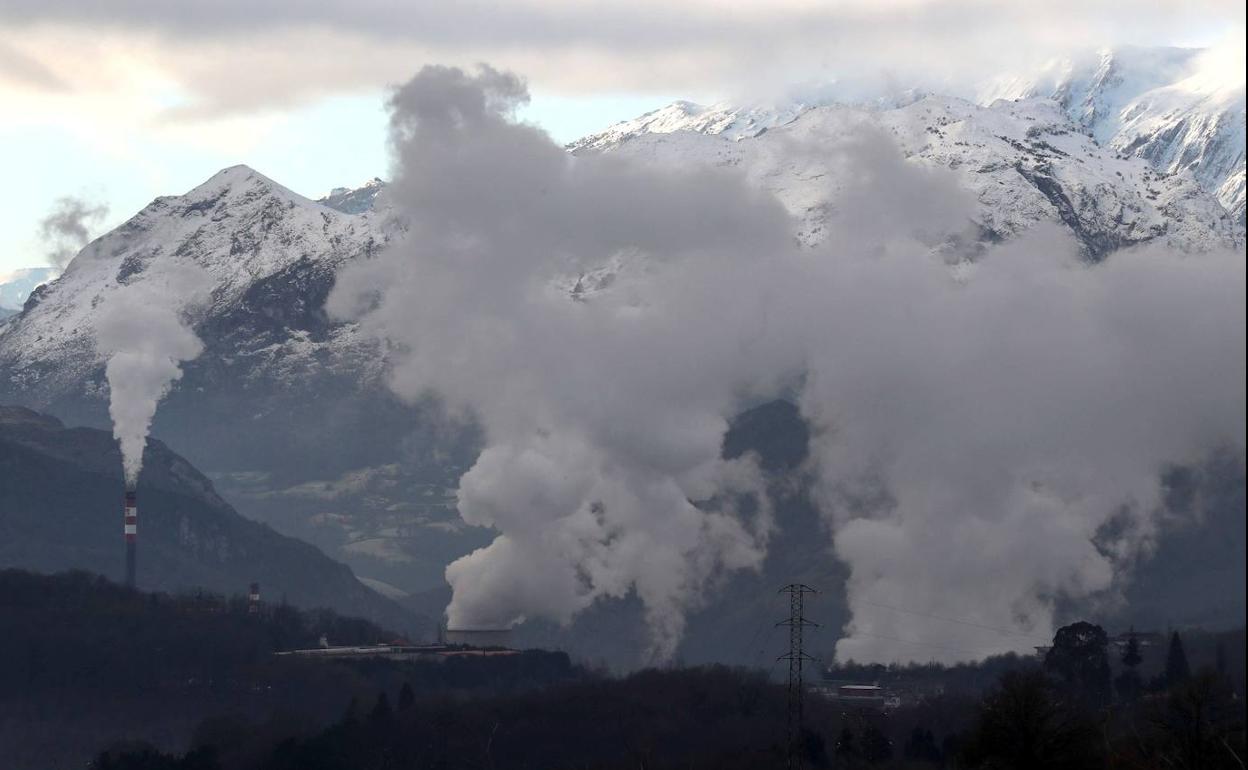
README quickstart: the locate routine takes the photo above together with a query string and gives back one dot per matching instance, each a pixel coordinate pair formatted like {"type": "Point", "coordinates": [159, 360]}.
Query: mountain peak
{"type": "Point", "coordinates": [240, 181]}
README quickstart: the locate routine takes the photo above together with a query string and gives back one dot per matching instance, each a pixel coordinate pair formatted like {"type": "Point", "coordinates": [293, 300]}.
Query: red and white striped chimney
{"type": "Point", "coordinates": [132, 534]}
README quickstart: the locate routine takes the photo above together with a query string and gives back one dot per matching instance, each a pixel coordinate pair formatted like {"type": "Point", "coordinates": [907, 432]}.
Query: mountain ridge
{"type": "Point", "coordinates": [1152, 103]}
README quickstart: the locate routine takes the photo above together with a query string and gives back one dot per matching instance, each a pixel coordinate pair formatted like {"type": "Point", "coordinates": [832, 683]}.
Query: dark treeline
{"type": "Point", "coordinates": [1222, 651]}
{"type": "Point", "coordinates": [730, 719]}
{"type": "Point", "coordinates": [1067, 711]}
{"type": "Point", "coordinates": [85, 662]}
{"type": "Point", "coordinates": [154, 682]}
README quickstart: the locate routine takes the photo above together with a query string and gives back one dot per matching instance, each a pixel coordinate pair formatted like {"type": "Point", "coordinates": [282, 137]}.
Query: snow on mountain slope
{"type": "Point", "coordinates": [1026, 162]}
{"type": "Point", "coordinates": [1181, 109]}
{"type": "Point", "coordinates": [239, 226]}
{"type": "Point", "coordinates": [354, 200]}
{"type": "Point", "coordinates": [1095, 87]}
{"type": "Point", "coordinates": [1177, 108]}
{"type": "Point", "coordinates": [723, 119]}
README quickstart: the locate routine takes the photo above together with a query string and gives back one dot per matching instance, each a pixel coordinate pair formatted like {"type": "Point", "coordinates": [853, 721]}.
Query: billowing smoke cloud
{"type": "Point", "coordinates": [992, 445]}
{"type": "Point", "coordinates": [989, 437]}
{"type": "Point", "coordinates": [144, 332]}
{"type": "Point", "coordinates": [602, 421]}
{"type": "Point", "coordinates": [67, 228]}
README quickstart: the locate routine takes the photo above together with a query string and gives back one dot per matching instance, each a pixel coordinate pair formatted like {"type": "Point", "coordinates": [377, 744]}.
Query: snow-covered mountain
{"type": "Point", "coordinates": [1025, 161]}
{"type": "Point", "coordinates": [1181, 109]}
{"type": "Point", "coordinates": [287, 410]}
{"type": "Point", "coordinates": [1174, 107]}
{"type": "Point", "coordinates": [242, 228]}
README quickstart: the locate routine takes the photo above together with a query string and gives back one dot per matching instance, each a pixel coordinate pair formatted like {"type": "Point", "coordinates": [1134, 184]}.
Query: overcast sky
{"type": "Point", "coordinates": [118, 101]}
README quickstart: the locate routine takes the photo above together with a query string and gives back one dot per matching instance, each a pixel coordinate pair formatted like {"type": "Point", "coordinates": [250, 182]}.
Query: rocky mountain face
{"type": "Point", "coordinates": [358, 200]}
{"type": "Point", "coordinates": [1025, 162]}
{"type": "Point", "coordinates": [60, 508]}
{"type": "Point", "coordinates": [287, 410]}
{"type": "Point", "coordinates": [1173, 107]}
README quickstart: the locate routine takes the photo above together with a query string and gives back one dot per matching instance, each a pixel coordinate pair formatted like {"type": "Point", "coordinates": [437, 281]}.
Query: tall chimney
{"type": "Point", "coordinates": [132, 534]}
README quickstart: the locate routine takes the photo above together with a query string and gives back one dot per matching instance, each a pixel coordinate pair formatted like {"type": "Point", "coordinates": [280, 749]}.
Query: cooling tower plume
{"type": "Point", "coordinates": [991, 421]}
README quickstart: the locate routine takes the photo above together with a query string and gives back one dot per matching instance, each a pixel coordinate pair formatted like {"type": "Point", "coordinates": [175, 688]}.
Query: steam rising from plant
{"type": "Point", "coordinates": [144, 331]}
{"type": "Point", "coordinates": [66, 228]}
{"type": "Point", "coordinates": [988, 438]}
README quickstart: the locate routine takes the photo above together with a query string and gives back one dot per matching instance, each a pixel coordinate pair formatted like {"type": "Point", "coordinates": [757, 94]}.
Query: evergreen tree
{"type": "Point", "coordinates": [407, 698]}
{"type": "Point", "coordinates": [381, 713]}
{"type": "Point", "coordinates": [351, 715]}
{"type": "Point", "coordinates": [846, 747]}
{"type": "Point", "coordinates": [1177, 668]}
{"type": "Point", "coordinates": [813, 749]}
{"type": "Point", "coordinates": [1128, 683]}
{"type": "Point", "coordinates": [922, 746]}
{"type": "Point", "coordinates": [876, 747]}
{"type": "Point", "coordinates": [1131, 656]}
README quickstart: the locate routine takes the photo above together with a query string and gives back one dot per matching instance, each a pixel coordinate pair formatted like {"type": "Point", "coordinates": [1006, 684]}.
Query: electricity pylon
{"type": "Point", "coordinates": [796, 658]}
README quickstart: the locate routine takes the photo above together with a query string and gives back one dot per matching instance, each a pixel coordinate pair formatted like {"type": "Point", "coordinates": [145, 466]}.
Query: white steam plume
{"type": "Point", "coordinates": [143, 331]}
{"type": "Point", "coordinates": [603, 419]}
{"type": "Point", "coordinates": [990, 446]}
{"type": "Point", "coordinates": [989, 438]}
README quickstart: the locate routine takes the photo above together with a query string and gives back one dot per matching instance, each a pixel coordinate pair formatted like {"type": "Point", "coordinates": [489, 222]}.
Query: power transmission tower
{"type": "Point", "coordinates": [796, 658]}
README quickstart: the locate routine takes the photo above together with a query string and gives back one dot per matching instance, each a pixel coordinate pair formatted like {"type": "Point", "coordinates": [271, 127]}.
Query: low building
{"type": "Point", "coordinates": [427, 652]}
{"type": "Point", "coordinates": [482, 638]}
{"type": "Point", "coordinates": [858, 694]}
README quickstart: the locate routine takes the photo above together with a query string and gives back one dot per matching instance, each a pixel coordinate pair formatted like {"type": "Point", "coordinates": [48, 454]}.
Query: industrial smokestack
{"type": "Point", "coordinates": [132, 534]}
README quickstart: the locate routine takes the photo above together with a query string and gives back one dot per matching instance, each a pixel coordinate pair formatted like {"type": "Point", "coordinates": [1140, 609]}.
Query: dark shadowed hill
{"type": "Point", "coordinates": [60, 508]}
{"type": "Point", "coordinates": [85, 663]}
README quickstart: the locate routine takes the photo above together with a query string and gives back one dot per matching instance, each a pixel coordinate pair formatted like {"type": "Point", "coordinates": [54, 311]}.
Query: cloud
{"type": "Point", "coordinates": [989, 438]}
{"type": "Point", "coordinates": [235, 55]}
{"type": "Point", "coordinates": [16, 65]}
{"type": "Point", "coordinates": [66, 229]}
